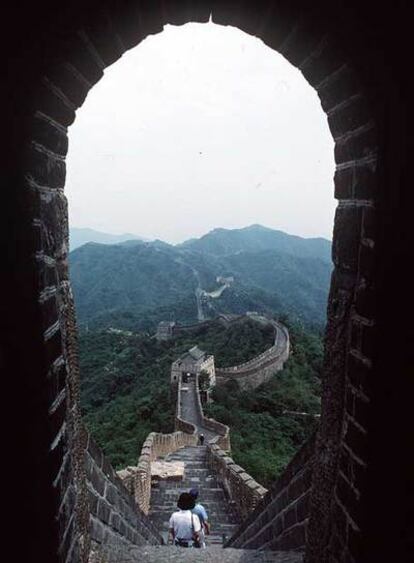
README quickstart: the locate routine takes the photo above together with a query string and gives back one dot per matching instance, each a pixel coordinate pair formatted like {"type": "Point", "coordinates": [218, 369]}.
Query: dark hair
{"type": "Point", "coordinates": [186, 502]}
{"type": "Point", "coordinates": [193, 493]}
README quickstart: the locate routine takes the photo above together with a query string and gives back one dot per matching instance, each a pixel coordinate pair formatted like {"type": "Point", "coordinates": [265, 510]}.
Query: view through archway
{"type": "Point", "coordinates": [228, 194]}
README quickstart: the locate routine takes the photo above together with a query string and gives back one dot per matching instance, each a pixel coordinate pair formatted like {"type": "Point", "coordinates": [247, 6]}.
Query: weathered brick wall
{"type": "Point", "coordinates": [242, 490]}
{"type": "Point", "coordinates": [116, 523]}
{"type": "Point", "coordinates": [154, 446]}
{"type": "Point", "coordinates": [281, 516]}
{"type": "Point", "coordinates": [260, 369]}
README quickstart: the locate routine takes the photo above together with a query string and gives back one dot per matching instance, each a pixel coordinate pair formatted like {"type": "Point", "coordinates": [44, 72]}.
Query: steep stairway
{"type": "Point", "coordinates": [164, 495]}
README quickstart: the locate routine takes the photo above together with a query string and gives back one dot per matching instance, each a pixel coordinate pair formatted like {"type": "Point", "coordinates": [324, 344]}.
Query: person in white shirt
{"type": "Point", "coordinates": [184, 527]}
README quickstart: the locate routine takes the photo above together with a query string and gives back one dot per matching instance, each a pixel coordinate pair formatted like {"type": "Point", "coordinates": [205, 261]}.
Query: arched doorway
{"type": "Point", "coordinates": [82, 57]}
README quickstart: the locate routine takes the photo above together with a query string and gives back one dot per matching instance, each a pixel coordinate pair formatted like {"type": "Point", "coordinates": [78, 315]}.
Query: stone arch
{"type": "Point", "coordinates": [83, 51]}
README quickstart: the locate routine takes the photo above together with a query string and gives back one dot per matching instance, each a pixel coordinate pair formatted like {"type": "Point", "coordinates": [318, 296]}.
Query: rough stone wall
{"type": "Point", "coordinates": [116, 522]}
{"type": "Point", "coordinates": [156, 445]}
{"type": "Point", "coordinates": [281, 516]}
{"type": "Point", "coordinates": [260, 369]}
{"type": "Point", "coordinates": [242, 490]}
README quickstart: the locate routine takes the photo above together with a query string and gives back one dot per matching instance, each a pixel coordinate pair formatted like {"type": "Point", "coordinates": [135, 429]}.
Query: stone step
{"type": "Point", "coordinates": [213, 554]}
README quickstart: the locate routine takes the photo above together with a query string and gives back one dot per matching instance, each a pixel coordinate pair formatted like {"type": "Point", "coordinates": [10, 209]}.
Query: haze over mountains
{"type": "Point", "coordinates": [78, 237]}
{"type": "Point", "coordinates": [135, 284]}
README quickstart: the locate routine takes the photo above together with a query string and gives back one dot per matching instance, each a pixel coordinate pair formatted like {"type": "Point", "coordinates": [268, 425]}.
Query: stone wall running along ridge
{"type": "Point", "coordinates": [259, 369]}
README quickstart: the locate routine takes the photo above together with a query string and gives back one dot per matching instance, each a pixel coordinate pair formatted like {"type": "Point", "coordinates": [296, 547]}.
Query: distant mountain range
{"type": "Point", "coordinates": [78, 237]}
{"type": "Point", "coordinates": [135, 284]}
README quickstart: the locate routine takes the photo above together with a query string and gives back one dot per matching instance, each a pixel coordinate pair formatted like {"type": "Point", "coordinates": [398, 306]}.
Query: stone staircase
{"type": "Point", "coordinates": [164, 495]}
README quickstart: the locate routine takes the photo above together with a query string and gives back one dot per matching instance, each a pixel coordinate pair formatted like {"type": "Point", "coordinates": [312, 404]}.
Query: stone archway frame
{"type": "Point", "coordinates": [81, 58]}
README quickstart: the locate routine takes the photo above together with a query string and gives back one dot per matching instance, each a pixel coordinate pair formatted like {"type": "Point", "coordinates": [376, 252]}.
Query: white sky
{"type": "Point", "coordinates": [201, 126]}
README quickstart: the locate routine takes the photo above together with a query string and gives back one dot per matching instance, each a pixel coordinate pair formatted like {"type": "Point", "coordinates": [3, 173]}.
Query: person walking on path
{"type": "Point", "coordinates": [201, 512]}
{"type": "Point", "coordinates": [184, 527]}
{"type": "Point", "coordinates": [201, 439]}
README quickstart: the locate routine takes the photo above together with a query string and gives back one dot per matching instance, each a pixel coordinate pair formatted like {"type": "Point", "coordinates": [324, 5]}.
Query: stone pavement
{"type": "Point", "coordinates": [190, 411]}
{"type": "Point", "coordinates": [164, 495]}
{"type": "Point", "coordinates": [166, 554]}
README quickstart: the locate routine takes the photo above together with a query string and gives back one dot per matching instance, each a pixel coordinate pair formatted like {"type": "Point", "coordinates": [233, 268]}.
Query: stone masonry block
{"type": "Point", "coordinates": [92, 501]}
{"type": "Point", "coordinates": [362, 143]}
{"type": "Point", "coordinates": [279, 24]}
{"type": "Point", "coordinates": [103, 36]}
{"type": "Point", "coordinates": [356, 439]}
{"type": "Point", "coordinates": [53, 347]}
{"type": "Point", "coordinates": [347, 235]}
{"type": "Point", "coordinates": [104, 511]}
{"type": "Point", "coordinates": [291, 539]}
{"type": "Point", "coordinates": [303, 507]}
{"type": "Point", "coordinates": [301, 43]}
{"type": "Point", "coordinates": [95, 452]}
{"type": "Point", "coordinates": [365, 302]}
{"type": "Point", "coordinates": [359, 372]}
{"type": "Point", "coordinates": [348, 498]}
{"type": "Point", "coordinates": [353, 470]}
{"type": "Point", "coordinates": [338, 87]}
{"type": "Point", "coordinates": [49, 134]}
{"type": "Point", "coordinates": [322, 63]}
{"type": "Point", "coordinates": [133, 21]}
{"type": "Point", "coordinates": [45, 168]}
{"type": "Point", "coordinates": [347, 115]}
{"type": "Point", "coordinates": [49, 103]}
{"type": "Point", "coordinates": [358, 181]}
{"type": "Point", "coordinates": [69, 81]}
{"type": "Point", "coordinates": [97, 530]}
{"type": "Point", "coordinates": [77, 53]}
{"type": "Point", "coordinates": [49, 312]}
{"type": "Point", "coordinates": [366, 260]}
{"type": "Point", "coordinates": [98, 480]}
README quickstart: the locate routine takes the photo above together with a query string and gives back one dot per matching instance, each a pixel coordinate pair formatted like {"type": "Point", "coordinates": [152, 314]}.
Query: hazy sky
{"type": "Point", "coordinates": [198, 127]}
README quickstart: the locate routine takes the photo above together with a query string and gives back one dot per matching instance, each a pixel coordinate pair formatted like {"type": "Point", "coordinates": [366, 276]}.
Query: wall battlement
{"type": "Point", "coordinates": [259, 369]}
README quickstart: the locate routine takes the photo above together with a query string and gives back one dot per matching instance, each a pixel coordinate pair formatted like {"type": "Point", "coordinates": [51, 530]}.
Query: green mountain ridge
{"type": "Point", "coordinates": [135, 284]}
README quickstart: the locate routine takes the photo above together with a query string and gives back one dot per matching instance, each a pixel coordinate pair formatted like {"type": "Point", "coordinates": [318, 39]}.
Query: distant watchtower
{"type": "Point", "coordinates": [165, 330]}
{"type": "Point", "coordinates": [191, 364]}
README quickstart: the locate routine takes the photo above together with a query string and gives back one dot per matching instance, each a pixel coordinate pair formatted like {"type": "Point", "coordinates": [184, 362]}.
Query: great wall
{"type": "Point", "coordinates": [249, 374]}
{"type": "Point", "coordinates": [131, 507]}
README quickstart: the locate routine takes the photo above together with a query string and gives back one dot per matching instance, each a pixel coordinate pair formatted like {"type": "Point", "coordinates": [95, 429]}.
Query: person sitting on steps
{"type": "Point", "coordinates": [201, 512]}
{"type": "Point", "coordinates": [184, 529]}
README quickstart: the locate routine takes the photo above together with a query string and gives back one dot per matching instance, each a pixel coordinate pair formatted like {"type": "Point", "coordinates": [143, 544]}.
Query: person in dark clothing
{"type": "Point", "coordinates": [201, 439]}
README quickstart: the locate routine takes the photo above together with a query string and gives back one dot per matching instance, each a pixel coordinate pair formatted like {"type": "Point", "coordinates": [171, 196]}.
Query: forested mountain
{"type": "Point", "coordinates": [125, 380]}
{"type": "Point", "coordinates": [80, 236]}
{"type": "Point", "coordinates": [221, 242]}
{"type": "Point", "coordinates": [134, 285]}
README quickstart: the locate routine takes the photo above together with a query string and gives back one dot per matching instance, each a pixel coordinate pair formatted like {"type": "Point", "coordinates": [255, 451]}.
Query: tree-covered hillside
{"type": "Point", "coordinates": [125, 380]}
{"type": "Point", "coordinates": [263, 437]}
{"type": "Point", "coordinates": [135, 285]}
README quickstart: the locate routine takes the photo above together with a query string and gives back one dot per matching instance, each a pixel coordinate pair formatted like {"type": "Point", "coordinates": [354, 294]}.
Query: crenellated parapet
{"type": "Point", "coordinates": [262, 367]}
{"type": "Point", "coordinates": [156, 445]}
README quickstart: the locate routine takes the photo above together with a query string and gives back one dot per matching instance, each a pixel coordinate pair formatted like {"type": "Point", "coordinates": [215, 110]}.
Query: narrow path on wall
{"type": "Point", "coordinates": [190, 411]}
